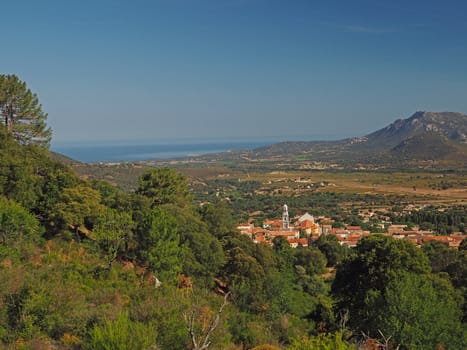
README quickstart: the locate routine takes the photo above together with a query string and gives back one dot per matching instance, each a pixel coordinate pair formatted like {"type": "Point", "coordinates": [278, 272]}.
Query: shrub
{"type": "Point", "coordinates": [121, 334]}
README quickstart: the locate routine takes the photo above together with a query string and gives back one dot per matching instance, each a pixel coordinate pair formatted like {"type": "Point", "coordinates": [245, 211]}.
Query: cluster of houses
{"type": "Point", "coordinates": [305, 229]}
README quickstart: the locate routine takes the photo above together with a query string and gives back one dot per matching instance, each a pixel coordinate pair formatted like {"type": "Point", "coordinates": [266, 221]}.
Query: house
{"type": "Point", "coordinates": [452, 241]}
{"type": "Point", "coordinates": [272, 224]}
{"type": "Point", "coordinates": [353, 228]}
{"type": "Point", "coordinates": [295, 242]}
{"type": "Point", "coordinates": [246, 229]}
{"type": "Point", "coordinates": [308, 227]}
{"type": "Point", "coordinates": [287, 234]}
{"type": "Point", "coordinates": [262, 240]}
{"type": "Point", "coordinates": [245, 226]}
{"type": "Point", "coordinates": [392, 229]}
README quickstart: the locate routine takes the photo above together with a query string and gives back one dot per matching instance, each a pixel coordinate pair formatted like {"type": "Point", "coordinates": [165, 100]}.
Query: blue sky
{"type": "Point", "coordinates": [293, 69]}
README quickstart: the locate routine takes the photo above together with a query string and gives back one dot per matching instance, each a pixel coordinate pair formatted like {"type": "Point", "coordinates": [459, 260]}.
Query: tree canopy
{"type": "Point", "coordinates": [164, 186]}
{"type": "Point", "coordinates": [21, 112]}
{"type": "Point", "coordinates": [421, 312]}
{"type": "Point", "coordinates": [387, 287]}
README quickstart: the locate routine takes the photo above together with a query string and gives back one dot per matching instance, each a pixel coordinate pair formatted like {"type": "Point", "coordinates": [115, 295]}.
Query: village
{"type": "Point", "coordinates": [305, 229]}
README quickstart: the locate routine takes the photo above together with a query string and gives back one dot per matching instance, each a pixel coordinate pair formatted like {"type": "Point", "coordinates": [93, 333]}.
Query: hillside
{"type": "Point", "coordinates": [425, 136]}
{"type": "Point", "coordinates": [452, 126]}
{"type": "Point", "coordinates": [429, 146]}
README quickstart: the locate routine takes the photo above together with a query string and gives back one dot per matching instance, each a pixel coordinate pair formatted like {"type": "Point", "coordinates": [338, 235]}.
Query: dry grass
{"type": "Point", "coordinates": [423, 186]}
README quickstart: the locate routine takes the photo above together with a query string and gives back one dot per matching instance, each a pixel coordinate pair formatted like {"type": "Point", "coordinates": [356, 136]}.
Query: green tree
{"type": "Point", "coordinates": [22, 113]}
{"type": "Point", "coordinates": [440, 255]}
{"type": "Point", "coordinates": [285, 253]}
{"type": "Point", "coordinates": [360, 281]}
{"type": "Point", "coordinates": [422, 312]}
{"type": "Point", "coordinates": [218, 218]}
{"type": "Point", "coordinates": [159, 244]}
{"type": "Point", "coordinates": [195, 236]}
{"type": "Point", "coordinates": [463, 245]}
{"type": "Point", "coordinates": [113, 233]}
{"type": "Point", "coordinates": [312, 260]}
{"type": "Point", "coordinates": [79, 206]}
{"type": "Point", "coordinates": [16, 223]}
{"type": "Point", "coordinates": [18, 171]}
{"type": "Point", "coordinates": [329, 245]}
{"type": "Point", "coordinates": [164, 186]}
{"type": "Point", "coordinates": [55, 177]}
{"type": "Point", "coordinates": [245, 278]}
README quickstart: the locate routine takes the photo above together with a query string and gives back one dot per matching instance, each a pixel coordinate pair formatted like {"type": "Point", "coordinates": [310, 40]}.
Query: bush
{"type": "Point", "coordinates": [122, 334]}
{"type": "Point", "coordinates": [321, 342]}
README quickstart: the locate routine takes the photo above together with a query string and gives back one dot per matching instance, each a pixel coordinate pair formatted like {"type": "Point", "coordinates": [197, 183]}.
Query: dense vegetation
{"type": "Point", "coordinates": [430, 218]}
{"type": "Point", "coordinates": [84, 265]}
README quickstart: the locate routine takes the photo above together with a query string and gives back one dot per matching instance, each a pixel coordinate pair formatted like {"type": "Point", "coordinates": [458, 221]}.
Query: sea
{"type": "Point", "coordinates": [128, 152]}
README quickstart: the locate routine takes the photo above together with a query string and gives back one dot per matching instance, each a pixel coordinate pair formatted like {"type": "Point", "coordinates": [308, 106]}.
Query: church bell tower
{"type": "Point", "coordinates": [285, 217]}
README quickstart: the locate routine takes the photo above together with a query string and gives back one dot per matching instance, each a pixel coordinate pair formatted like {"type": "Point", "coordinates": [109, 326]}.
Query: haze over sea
{"type": "Point", "coordinates": [127, 151]}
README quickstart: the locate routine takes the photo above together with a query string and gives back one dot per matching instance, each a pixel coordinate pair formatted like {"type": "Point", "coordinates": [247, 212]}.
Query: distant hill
{"type": "Point", "coordinates": [449, 125]}
{"type": "Point", "coordinates": [429, 146]}
{"type": "Point", "coordinates": [63, 159]}
{"type": "Point", "coordinates": [437, 136]}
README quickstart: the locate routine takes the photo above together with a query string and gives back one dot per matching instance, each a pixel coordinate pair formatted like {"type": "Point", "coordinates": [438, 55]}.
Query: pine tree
{"type": "Point", "coordinates": [21, 113]}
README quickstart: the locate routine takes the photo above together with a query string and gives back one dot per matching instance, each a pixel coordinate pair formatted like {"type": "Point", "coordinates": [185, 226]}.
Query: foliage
{"type": "Point", "coordinates": [21, 112]}
{"type": "Point", "coordinates": [332, 249]}
{"type": "Point", "coordinates": [387, 286]}
{"type": "Point", "coordinates": [249, 330]}
{"type": "Point", "coordinates": [266, 347]}
{"type": "Point", "coordinates": [194, 235]}
{"type": "Point", "coordinates": [159, 244]}
{"type": "Point", "coordinates": [80, 206]}
{"type": "Point", "coordinates": [218, 218]}
{"type": "Point", "coordinates": [113, 233]}
{"type": "Point", "coordinates": [163, 309]}
{"type": "Point", "coordinates": [164, 186]}
{"type": "Point", "coordinates": [121, 334]}
{"type": "Point", "coordinates": [321, 342]}
{"type": "Point", "coordinates": [246, 279]}
{"type": "Point", "coordinates": [421, 312]}
{"type": "Point", "coordinates": [285, 253]}
{"type": "Point", "coordinates": [443, 221]}
{"type": "Point", "coordinates": [312, 260]}
{"type": "Point", "coordinates": [17, 224]}
{"type": "Point", "coordinates": [463, 245]}
{"type": "Point", "coordinates": [440, 255]}
{"type": "Point", "coordinates": [361, 280]}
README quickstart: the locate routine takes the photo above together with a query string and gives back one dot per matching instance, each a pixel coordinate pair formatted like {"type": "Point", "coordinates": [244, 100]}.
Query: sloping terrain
{"type": "Point", "coordinates": [423, 136]}
{"type": "Point", "coordinates": [452, 126]}
{"type": "Point", "coordinates": [430, 146]}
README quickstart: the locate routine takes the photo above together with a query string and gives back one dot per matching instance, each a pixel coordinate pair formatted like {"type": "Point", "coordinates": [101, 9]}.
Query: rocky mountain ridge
{"type": "Point", "coordinates": [424, 136]}
{"type": "Point", "coordinates": [452, 126]}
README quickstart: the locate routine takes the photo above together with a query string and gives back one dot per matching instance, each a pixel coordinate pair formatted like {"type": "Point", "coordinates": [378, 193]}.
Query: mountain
{"type": "Point", "coordinates": [451, 126]}
{"type": "Point", "coordinates": [435, 136]}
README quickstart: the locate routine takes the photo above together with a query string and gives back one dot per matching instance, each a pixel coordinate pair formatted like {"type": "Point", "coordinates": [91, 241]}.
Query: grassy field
{"type": "Point", "coordinates": [423, 186]}
{"type": "Point", "coordinates": [448, 188]}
